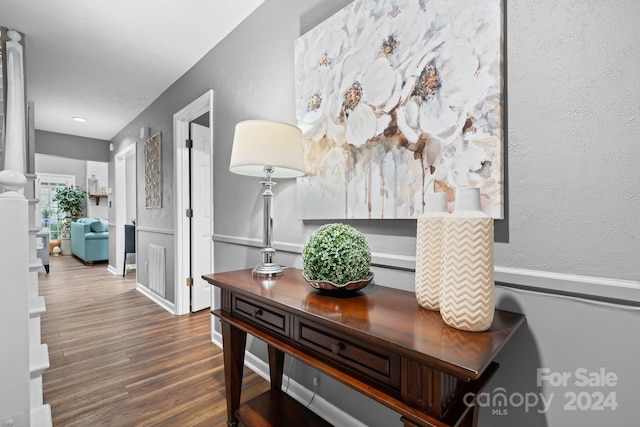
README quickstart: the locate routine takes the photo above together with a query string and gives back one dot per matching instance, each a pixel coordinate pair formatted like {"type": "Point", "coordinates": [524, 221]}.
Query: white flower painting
{"type": "Point", "coordinates": [397, 99]}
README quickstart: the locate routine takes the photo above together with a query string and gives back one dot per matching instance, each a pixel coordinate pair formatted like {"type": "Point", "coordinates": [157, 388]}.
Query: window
{"type": "Point", "coordinates": [46, 185]}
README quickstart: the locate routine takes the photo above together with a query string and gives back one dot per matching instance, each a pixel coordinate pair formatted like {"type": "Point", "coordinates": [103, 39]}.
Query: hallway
{"type": "Point", "coordinates": [118, 359]}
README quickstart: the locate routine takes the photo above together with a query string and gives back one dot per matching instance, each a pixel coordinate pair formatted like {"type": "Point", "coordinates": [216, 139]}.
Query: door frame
{"type": "Point", "coordinates": [120, 166]}
{"type": "Point", "coordinates": [182, 260]}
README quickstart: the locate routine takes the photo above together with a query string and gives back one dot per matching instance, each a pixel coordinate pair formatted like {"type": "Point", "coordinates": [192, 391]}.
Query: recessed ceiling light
{"type": "Point", "coordinates": [79, 119]}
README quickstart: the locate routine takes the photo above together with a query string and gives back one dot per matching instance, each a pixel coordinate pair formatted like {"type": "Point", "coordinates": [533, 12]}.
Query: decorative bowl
{"type": "Point", "coordinates": [326, 285]}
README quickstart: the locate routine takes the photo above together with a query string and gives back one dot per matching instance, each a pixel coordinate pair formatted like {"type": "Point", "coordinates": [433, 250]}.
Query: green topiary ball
{"type": "Point", "coordinates": [337, 253]}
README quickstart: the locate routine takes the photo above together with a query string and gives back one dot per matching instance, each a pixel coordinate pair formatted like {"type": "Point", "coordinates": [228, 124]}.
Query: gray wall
{"type": "Point", "coordinates": [572, 193]}
{"type": "Point", "coordinates": [63, 166]}
{"type": "Point", "coordinates": [71, 146]}
{"type": "Point", "coordinates": [573, 111]}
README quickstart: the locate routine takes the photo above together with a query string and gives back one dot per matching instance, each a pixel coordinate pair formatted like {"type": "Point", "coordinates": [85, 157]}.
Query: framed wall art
{"type": "Point", "coordinates": [153, 172]}
{"type": "Point", "coordinates": [397, 99]}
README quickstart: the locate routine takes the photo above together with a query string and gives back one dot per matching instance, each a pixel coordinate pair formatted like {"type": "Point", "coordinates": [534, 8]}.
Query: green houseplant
{"type": "Point", "coordinates": [337, 256]}
{"type": "Point", "coordinates": [71, 201]}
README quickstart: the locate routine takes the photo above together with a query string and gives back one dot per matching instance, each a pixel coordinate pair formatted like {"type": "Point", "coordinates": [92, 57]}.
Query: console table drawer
{"type": "Point", "coordinates": [260, 314]}
{"type": "Point", "coordinates": [373, 363]}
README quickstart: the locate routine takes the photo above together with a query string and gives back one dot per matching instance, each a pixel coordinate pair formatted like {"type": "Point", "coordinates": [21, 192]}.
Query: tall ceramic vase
{"type": "Point", "coordinates": [467, 286]}
{"type": "Point", "coordinates": [429, 251]}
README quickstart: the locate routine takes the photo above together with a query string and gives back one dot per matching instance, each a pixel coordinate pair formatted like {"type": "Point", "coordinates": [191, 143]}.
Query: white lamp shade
{"type": "Point", "coordinates": [260, 143]}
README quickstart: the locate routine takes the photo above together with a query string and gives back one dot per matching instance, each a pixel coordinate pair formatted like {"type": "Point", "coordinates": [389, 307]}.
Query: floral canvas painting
{"type": "Point", "coordinates": [397, 99]}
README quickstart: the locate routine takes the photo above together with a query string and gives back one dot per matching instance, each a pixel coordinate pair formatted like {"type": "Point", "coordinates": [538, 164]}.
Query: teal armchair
{"type": "Point", "coordinates": [90, 240]}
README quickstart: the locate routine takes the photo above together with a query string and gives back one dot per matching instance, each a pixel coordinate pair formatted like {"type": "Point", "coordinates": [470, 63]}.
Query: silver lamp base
{"type": "Point", "coordinates": [268, 269]}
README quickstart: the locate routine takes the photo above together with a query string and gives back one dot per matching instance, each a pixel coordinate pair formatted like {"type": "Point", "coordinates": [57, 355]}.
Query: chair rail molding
{"type": "Point", "coordinates": [620, 291]}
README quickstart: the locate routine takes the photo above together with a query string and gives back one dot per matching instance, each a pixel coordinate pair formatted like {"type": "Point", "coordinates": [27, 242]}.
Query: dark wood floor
{"type": "Point", "coordinates": [118, 359]}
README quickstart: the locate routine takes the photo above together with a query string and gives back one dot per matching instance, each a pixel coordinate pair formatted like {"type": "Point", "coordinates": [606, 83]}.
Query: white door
{"type": "Point", "coordinates": [202, 220]}
{"type": "Point", "coordinates": [125, 161]}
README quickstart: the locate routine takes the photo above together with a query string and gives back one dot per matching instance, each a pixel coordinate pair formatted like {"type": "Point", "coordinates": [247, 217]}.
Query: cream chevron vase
{"type": "Point", "coordinates": [429, 231]}
{"type": "Point", "coordinates": [467, 285]}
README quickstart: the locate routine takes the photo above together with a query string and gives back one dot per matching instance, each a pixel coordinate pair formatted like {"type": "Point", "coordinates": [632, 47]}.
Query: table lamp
{"type": "Point", "coordinates": [273, 150]}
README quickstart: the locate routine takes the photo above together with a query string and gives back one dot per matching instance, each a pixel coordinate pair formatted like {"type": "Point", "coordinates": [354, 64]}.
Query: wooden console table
{"type": "Point", "coordinates": [378, 341]}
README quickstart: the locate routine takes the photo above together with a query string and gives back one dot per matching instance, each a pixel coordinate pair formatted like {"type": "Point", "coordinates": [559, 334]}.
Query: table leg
{"type": "Point", "coordinates": [276, 367]}
{"type": "Point", "coordinates": [471, 419]}
{"type": "Point", "coordinates": [233, 346]}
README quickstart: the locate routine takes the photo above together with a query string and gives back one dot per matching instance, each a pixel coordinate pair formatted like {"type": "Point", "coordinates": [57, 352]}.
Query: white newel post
{"type": "Point", "coordinates": [16, 120]}
{"type": "Point", "coordinates": [12, 177]}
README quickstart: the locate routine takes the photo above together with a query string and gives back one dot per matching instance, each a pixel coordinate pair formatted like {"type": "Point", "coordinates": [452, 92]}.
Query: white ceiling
{"type": "Point", "coordinates": [107, 60]}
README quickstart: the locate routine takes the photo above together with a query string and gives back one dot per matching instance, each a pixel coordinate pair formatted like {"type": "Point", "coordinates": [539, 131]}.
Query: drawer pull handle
{"type": "Point", "coordinates": [336, 347]}
{"type": "Point", "coordinates": [257, 312]}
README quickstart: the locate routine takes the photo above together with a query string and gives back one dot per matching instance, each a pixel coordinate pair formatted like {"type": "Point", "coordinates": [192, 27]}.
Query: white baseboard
{"type": "Point", "coordinates": [41, 416]}
{"type": "Point", "coordinates": [170, 307]}
{"type": "Point", "coordinates": [303, 395]}
{"type": "Point", "coordinates": [216, 338]}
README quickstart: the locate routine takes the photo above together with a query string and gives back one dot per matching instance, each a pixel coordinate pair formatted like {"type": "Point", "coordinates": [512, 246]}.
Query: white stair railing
{"type": "Point", "coordinates": [23, 357]}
